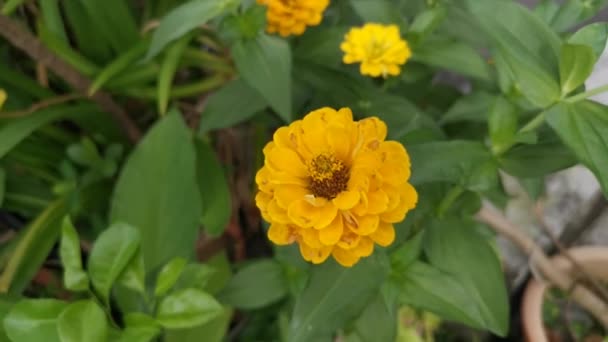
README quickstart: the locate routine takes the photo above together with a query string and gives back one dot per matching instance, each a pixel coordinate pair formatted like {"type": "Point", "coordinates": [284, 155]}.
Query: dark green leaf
{"type": "Point", "coordinates": [583, 126]}
{"type": "Point", "coordinates": [378, 11]}
{"type": "Point", "coordinates": [321, 46]}
{"type": "Point", "coordinates": [575, 65]}
{"type": "Point", "coordinates": [472, 107]}
{"type": "Point", "coordinates": [83, 321]}
{"type": "Point", "coordinates": [232, 104]}
{"type": "Point", "coordinates": [34, 320]}
{"type": "Point", "coordinates": [399, 114]}
{"type": "Point", "coordinates": [133, 275]}
{"type": "Point", "coordinates": [196, 276]}
{"type": "Point", "coordinates": [335, 295]}
{"type": "Point", "coordinates": [74, 277]}
{"type": "Point", "coordinates": [256, 285]}
{"type": "Point", "coordinates": [157, 193]}
{"type": "Point", "coordinates": [111, 253]}
{"type": "Point", "coordinates": [2, 185]}
{"type": "Point", "coordinates": [529, 161]}
{"type": "Point", "coordinates": [168, 275]}
{"type": "Point", "coordinates": [452, 55]}
{"type": "Point", "coordinates": [114, 22]}
{"type": "Point", "coordinates": [265, 64]}
{"type": "Point", "coordinates": [215, 194]}
{"type": "Point", "coordinates": [407, 253]}
{"type": "Point", "coordinates": [187, 308]}
{"type": "Point", "coordinates": [594, 35]}
{"type": "Point", "coordinates": [376, 323]}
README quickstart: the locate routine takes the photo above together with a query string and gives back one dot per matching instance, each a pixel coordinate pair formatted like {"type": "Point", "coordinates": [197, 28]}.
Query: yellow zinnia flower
{"type": "Point", "coordinates": [2, 97]}
{"type": "Point", "coordinates": [334, 186]}
{"type": "Point", "coordinates": [292, 16]}
{"type": "Point", "coordinates": [379, 49]}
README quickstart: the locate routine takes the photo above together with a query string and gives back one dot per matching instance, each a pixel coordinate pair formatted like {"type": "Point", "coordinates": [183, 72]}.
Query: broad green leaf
{"type": "Point", "coordinates": [33, 248]}
{"type": "Point", "coordinates": [114, 21]}
{"type": "Point", "coordinates": [34, 320]}
{"type": "Point", "coordinates": [572, 12]}
{"type": "Point", "coordinates": [407, 253]}
{"type": "Point", "coordinates": [187, 308]}
{"type": "Point", "coordinates": [196, 276]}
{"type": "Point", "coordinates": [14, 132]}
{"type": "Point", "coordinates": [594, 35]}
{"type": "Point", "coordinates": [530, 161]}
{"type": "Point", "coordinates": [378, 11]}
{"type": "Point", "coordinates": [256, 285]}
{"type": "Point", "coordinates": [157, 193]}
{"type": "Point", "coordinates": [334, 295]}
{"type": "Point", "coordinates": [457, 248]}
{"type": "Point", "coordinates": [139, 328]}
{"type": "Point", "coordinates": [583, 126]}
{"type": "Point", "coordinates": [376, 323]}
{"type": "Point", "coordinates": [111, 253]}
{"type": "Point", "coordinates": [133, 275]}
{"type": "Point", "coordinates": [83, 321]}
{"type": "Point", "coordinates": [2, 185]}
{"type": "Point", "coordinates": [221, 275]}
{"type": "Point", "coordinates": [575, 65]}
{"type": "Point", "coordinates": [427, 288]}
{"type": "Point", "coordinates": [74, 276]}
{"type": "Point", "coordinates": [216, 198]}
{"type": "Point", "coordinates": [321, 46]}
{"type": "Point", "coordinates": [181, 20]}
{"type": "Point", "coordinates": [213, 331]}
{"type": "Point", "coordinates": [168, 276]}
{"type": "Point", "coordinates": [6, 304]}
{"type": "Point", "coordinates": [399, 114]}
{"type": "Point", "coordinates": [265, 64]}
{"type": "Point", "coordinates": [232, 104]}
{"type": "Point", "coordinates": [502, 124]}
{"type": "Point", "coordinates": [473, 107]}
{"type": "Point", "coordinates": [427, 21]}
{"type": "Point", "coordinates": [452, 55]}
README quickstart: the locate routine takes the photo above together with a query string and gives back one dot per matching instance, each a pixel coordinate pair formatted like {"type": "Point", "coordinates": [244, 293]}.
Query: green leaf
{"type": "Point", "coordinates": [216, 198]}
{"type": "Point", "coordinates": [583, 126]}
{"type": "Point", "coordinates": [378, 11]}
{"type": "Point", "coordinates": [133, 275]}
{"type": "Point", "coordinates": [427, 21]}
{"type": "Point", "coordinates": [83, 321]}
{"type": "Point", "coordinates": [111, 253]}
{"type": "Point", "coordinates": [232, 104]}
{"type": "Point", "coordinates": [472, 107]}
{"type": "Point", "coordinates": [195, 276]}
{"type": "Point", "coordinates": [213, 331]}
{"type": "Point", "coordinates": [321, 46]}
{"type": "Point", "coordinates": [399, 114]}
{"type": "Point", "coordinates": [452, 55]}
{"type": "Point", "coordinates": [74, 276]}
{"type": "Point", "coordinates": [14, 132]}
{"type": "Point", "coordinates": [187, 308]}
{"type": "Point", "coordinates": [256, 285]}
{"type": "Point", "coordinates": [34, 320]}
{"type": "Point", "coordinates": [139, 328]}
{"type": "Point", "coordinates": [502, 124]}
{"type": "Point", "coordinates": [114, 22]}
{"type": "Point", "coordinates": [334, 295]}
{"type": "Point", "coordinates": [181, 20]}
{"type": "Point", "coordinates": [594, 35]}
{"type": "Point", "coordinates": [2, 185]}
{"type": "Point", "coordinates": [157, 193]}
{"type": "Point", "coordinates": [575, 65]}
{"type": "Point", "coordinates": [376, 323]}
{"type": "Point", "coordinates": [265, 64]}
{"type": "Point", "coordinates": [168, 276]}
{"type": "Point", "coordinates": [531, 161]}
{"type": "Point", "coordinates": [455, 247]}
{"type": "Point", "coordinates": [407, 253]}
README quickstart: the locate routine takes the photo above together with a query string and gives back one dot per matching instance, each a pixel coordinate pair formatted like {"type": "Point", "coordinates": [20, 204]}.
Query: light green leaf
{"type": "Point", "coordinates": [472, 107]}
{"type": "Point", "coordinates": [83, 321]}
{"type": "Point", "coordinates": [157, 193]}
{"type": "Point", "coordinates": [232, 104]}
{"type": "Point", "coordinates": [376, 323]}
{"type": "Point", "coordinates": [34, 320]}
{"type": "Point", "coordinates": [187, 308]}
{"type": "Point", "coordinates": [216, 198]}
{"type": "Point", "coordinates": [74, 276]}
{"type": "Point", "coordinates": [256, 285]}
{"type": "Point", "coordinates": [265, 64]}
{"type": "Point", "coordinates": [334, 295]}
{"type": "Point", "coordinates": [583, 126]}
{"type": "Point", "coordinates": [427, 21]}
{"type": "Point", "coordinates": [452, 55]}
{"type": "Point", "coordinates": [195, 276]}
{"type": "Point", "coordinates": [457, 248]}
{"type": "Point", "coordinates": [2, 185]}
{"type": "Point", "coordinates": [139, 328]}
{"type": "Point", "coordinates": [133, 275]}
{"type": "Point", "coordinates": [378, 11]}
{"type": "Point", "coordinates": [181, 20]}
{"type": "Point", "coordinates": [111, 253]}
{"type": "Point", "coordinates": [213, 331]}
{"type": "Point", "coordinates": [594, 35]}
{"type": "Point", "coordinates": [575, 65]}
{"type": "Point", "coordinates": [502, 124]}
{"type": "Point", "coordinates": [168, 275]}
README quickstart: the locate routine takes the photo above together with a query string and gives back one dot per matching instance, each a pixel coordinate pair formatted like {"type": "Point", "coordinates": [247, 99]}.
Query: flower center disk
{"type": "Point", "coordinates": [328, 176]}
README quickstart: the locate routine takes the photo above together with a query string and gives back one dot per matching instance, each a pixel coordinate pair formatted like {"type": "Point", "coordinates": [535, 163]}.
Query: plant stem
{"type": "Point", "coordinates": [449, 200]}
{"type": "Point", "coordinates": [586, 94]}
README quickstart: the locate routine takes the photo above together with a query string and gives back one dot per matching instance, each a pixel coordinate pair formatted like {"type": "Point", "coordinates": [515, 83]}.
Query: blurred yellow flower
{"type": "Point", "coordinates": [379, 48]}
{"type": "Point", "coordinates": [334, 186]}
{"type": "Point", "coordinates": [289, 17]}
{"type": "Point", "coordinates": [2, 97]}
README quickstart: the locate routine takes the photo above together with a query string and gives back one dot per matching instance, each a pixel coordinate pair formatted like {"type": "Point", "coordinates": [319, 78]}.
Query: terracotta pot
{"type": "Point", "coordinates": [595, 261]}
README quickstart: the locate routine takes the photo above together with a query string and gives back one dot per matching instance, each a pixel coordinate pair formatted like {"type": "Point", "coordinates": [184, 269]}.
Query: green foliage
{"type": "Point", "coordinates": [82, 321]}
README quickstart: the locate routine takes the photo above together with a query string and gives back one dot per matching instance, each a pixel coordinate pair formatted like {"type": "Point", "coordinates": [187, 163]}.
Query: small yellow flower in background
{"type": "Point", "coordinates": [334, 186]}
{"type": "Point", "coordinates": [2, 97]}
{"type": "Point", "coordinates": [289, 17]}
{"type": "Point", "coordinates": [379, 48]}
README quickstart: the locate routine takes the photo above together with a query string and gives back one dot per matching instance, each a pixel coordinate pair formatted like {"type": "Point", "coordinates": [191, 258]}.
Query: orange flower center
{"type": "Point", "coordinates": [328, 176]}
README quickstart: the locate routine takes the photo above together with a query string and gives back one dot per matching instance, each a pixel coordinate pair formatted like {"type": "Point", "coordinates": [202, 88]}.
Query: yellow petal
{"type": "Point", "coordinates": [377, 202]}
{"type": "Point", "coordinates": [366, 225]}
{"type": "Point", "coordinates": [286, 160]}
{"type": "Point", "coordinates": [327, 214]}
{"type": "Point", "coordinates": [331, 234]}
{"type": "Point", "coordinates": [348, 240]}
{"type": "Point", "coordinates": [310, 237]}
{"type": "Point", "coordinates": [384, 235]}
{"type": "Point", "coordinates": [408, 201]}
{"type": "Point", "coordinates": [287, 194]}
{"type": "Point", "coordinates": [346, 200]}
{"type": "Point", "coordinates": [344, 257]}
{"type": "Point", "coordinates": [281, 234]}
{"type": "Point", "coordinates": [262, 179]}
{"type": "Point", "coordinates": [303, 213]}
{"type": "Point", "coordinates": [338, 139]}
{"type": "Point", "coordinates": [276, 213]}
{"type": "Point", "coordinates": [365, 247]}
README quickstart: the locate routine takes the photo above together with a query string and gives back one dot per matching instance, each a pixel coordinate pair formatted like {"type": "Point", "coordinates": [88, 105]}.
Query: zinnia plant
{"type": "Point", "coordinates": [285, 170]}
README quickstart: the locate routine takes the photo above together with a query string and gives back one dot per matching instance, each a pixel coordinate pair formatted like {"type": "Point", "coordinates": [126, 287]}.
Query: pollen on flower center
{"type": "Point", "coordinates": [328, 176]}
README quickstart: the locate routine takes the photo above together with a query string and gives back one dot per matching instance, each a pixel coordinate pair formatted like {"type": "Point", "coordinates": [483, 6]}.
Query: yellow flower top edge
{"type": "Point", "coordinates": [292, 17]}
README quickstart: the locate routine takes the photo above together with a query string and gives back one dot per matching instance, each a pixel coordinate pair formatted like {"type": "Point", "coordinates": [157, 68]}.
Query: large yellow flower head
{"type": "Point", "coordinates": [2, 97]}
{"type": "Point", "coordinates": [334, 186]}
{"type": "Point", "coordinates": [379, 49]}
{"type": "Point", "coordinates": [289, 17]}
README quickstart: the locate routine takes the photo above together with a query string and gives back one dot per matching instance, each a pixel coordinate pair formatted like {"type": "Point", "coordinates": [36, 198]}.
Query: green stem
{"type": "Point", "coordinates": [586, 94]}
{"type": "Point", "coordinates": [449, 200]}
{"type": "Point", "coordinates": [534, 123]}
{"type": "Point", "coordinates": [180, 91]}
